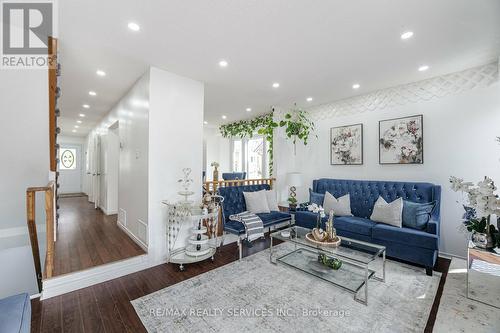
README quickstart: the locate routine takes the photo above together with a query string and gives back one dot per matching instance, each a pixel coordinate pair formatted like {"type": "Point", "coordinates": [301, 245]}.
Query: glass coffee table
{"type": "Point", "coordinates": [361, 261]}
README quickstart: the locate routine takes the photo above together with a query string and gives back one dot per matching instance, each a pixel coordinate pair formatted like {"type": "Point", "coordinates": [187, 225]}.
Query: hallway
{"type": "Point", "coordinates": [87, 238]}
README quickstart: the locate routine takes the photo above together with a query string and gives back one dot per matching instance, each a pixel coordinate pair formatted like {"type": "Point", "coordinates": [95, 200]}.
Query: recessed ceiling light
{"type": "Point", "coordinates": [86, 106]}
{"type": "Point", "coordinates": [309, 99]}
{"type": "Point", "coordinates": [82, 115]}
{"type": "Point", "coordinates": [407, 34]}
{"type": "Point", "coordinates": [423, 68]}
{"type": "Point", "coordinates": [248, 109]}
{"type": "Point", "coordinates": [276, 85]}
{"type": "Point", "coordinates": [79, 121]}
{"type": "Point", "coordinates": [356, 86]}
{"type": "Point", "coordinates": [76, 126]}
{"type": "Point", "coordinates": [100, 72]}
{"type": "Point", "coordinates": [134, 26]}
{"type": "Point", "coordinates": [92, 93]}
{"type": "Point", "coordinates": [223, 63]}
{"type": "Point", "coordinates": [74, 131]}
{"type": "Point", "coordinates": [224, 117]}
{"type": "Point", "coordinates": [205, 122]}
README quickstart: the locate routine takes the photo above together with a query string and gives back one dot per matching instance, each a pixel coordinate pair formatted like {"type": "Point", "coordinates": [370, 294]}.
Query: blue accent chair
{"type": "Point", "coordinates": [417, 246]}
{"type": "Point", "coordinates": [15, 314]}
{"type": "Point", "coordinates": [234, 175]}
{"type": "Point", "coordinates": [234, 203]}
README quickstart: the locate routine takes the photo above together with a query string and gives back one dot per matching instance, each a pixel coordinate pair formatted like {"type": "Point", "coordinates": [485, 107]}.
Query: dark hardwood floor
{"type": "Point", "coordinates": [87, 238]}
{"type": "Point", "coordinates": [106, 307]}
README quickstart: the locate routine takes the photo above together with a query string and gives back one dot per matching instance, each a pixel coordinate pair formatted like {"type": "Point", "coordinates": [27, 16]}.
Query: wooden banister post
{"type": "Point", "coordinates": [49, 217]}
{"type": "Point", "coordinates": [30, 212]}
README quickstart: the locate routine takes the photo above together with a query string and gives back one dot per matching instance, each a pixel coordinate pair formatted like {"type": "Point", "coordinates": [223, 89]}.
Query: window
{"type": "Point", "coordinates": [67, 159]}
{"type": "Point", "coordinates": [249, 155]}
{"type": "Point", "coordinates": [237, 156]}
{"type": "Point", "coordinates": [255, 158]}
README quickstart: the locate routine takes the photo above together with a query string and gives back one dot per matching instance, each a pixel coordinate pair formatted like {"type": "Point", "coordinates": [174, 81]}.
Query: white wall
{"type": "Point", "coordinates": [132, 114]}
{"type": "Point", "coordinates": [175, 142]}
{"type": "Point", "coordinates": [217, 150]}
{"type": "Point", "coordinates": [24, 143]}
{"type": "Point", "coordinates": [459, 140]}
{"type": "Point", "coordinates": [161, 132]}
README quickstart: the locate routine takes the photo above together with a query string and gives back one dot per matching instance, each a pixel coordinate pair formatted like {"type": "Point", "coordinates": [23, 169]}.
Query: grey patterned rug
{"type": "Point", "coordinates": [253, 295]}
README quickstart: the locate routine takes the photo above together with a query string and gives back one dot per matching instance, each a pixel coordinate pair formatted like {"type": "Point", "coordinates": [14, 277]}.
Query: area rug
{"type": "Point", "coordinates": [253, 295]}
{"type": "Point", "coordinates": [457, 313]}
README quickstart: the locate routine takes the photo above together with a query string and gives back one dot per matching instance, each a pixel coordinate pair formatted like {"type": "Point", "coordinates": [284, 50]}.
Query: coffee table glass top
{"type": "Point", "coordinates": [352, 249]}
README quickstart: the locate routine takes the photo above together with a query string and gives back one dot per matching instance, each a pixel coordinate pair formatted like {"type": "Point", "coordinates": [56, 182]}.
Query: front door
{"type": "Point", "coordinates": [70, 168]}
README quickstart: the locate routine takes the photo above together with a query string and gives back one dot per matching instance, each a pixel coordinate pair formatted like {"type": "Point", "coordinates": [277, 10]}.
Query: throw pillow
{"type": "Point", "coordinates": [256, 202]}
{"type": "Point", "coordinates": [316, 198]}
{"type": "Point", "coordinates": [388, 213]}
{"type": "Point", "coordinates": [340, 206]}
{"type": "Point", "coordinates": [272, 202]}
{"type": "Point", "coordinates": [417, 215]}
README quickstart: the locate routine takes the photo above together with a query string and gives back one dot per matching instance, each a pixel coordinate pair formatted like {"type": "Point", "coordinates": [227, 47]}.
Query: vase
{"type": "Point", "coordinates": [482, 240]}
{"type": "Point", "coordinates": [216, 174]}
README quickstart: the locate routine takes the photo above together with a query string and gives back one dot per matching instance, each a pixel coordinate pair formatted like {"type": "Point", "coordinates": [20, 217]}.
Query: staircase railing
{"type": "Point", "coordinates": [49, 191]}
{"type": "Point", "coordinates": [212, 186]}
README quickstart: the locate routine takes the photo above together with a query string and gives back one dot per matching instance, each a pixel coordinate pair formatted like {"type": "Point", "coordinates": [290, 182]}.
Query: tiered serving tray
{"type": "Point", "coordinates": [190, 250]}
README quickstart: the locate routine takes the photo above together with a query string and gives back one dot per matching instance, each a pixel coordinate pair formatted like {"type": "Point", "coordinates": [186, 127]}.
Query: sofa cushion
{"type": "Point", "coordinates": [407, 236]}
{"type": "Point", "coordinates": [340, 206]}
{"type": "Point", "coordinates": [417, 215]}
{"type": "Point", "coordinates": [388, 212]}
{"type": "Point", "coordinates": [256, 202]}
{"type": "Point", "coordinates": [268, 219]}
{"type": "Point", "coordinates": [316, 198]}
{"type": "Point", "coordinates": [15, 314]}
{"type": "Point", "coordinates": [353, 224]}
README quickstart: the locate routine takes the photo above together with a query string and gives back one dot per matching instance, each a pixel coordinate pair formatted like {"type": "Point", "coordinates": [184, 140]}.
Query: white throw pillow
{"type": "Point", "coordinates": [388, 213]}
{"type": "Point", "coordinates": [340, 206]}
{"type": "Point", "coordinates": [256, 202]}
{"type": "Point", "coordinates": [272, 202]}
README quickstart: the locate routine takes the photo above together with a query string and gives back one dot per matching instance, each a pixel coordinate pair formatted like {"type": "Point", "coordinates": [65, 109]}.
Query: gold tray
{"type": "Point", "coordinates": [334, 243]}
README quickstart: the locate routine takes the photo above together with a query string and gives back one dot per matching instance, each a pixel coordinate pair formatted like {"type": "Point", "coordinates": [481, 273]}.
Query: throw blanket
{"type": "Point", "coordinates": [254, 227]}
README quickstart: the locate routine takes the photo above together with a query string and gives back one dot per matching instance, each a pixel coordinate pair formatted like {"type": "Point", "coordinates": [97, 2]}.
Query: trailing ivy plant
{"type": "Point", "coordinates": [263, 125]}
{"type": "Point", "coordinates": [298, 126]}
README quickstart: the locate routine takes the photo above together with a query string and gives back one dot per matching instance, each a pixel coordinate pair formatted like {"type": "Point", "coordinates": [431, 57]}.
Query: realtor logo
{"type": "Point", "coordinates": [26, 29]}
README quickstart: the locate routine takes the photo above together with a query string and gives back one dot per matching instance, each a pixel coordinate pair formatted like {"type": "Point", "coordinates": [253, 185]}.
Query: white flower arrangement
{"type": "Point", "coordinates": [481, 197]}
{"type": "Point", "coordinates": [317, 209]}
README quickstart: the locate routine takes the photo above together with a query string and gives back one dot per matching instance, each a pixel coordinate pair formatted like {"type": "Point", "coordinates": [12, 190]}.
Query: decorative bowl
{"type": "Point", "coordinates": [329, 243]}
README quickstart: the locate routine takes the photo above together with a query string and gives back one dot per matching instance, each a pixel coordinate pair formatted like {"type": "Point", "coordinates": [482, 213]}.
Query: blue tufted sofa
{"type": "Point", "coordinates": [234, 175]}
{"type": "Point", "coordinates": [416, 246]}
{"type": "Point", "coordinates": [15, 314]}
{"type": "Point", "coordinates": [234, 203]}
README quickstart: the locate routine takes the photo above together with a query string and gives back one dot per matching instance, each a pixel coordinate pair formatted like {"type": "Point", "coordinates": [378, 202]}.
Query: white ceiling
{"type": "Point", "coordinates": [312, 48]}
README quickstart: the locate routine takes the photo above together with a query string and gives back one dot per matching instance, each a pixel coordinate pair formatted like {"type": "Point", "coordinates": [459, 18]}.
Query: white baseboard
{"type": "Point", "coordinates": [132, 236]}
{"type": "Point", "coordinates": [108, 212]}
{"type": "Point", "coordinates": [73, 281]}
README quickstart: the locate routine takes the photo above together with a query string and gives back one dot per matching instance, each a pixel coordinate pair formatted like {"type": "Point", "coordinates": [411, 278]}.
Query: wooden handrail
{"type": "Point", "coordinates": [212, 186]}
{"type": "Point", "coordinates": [50, 230]}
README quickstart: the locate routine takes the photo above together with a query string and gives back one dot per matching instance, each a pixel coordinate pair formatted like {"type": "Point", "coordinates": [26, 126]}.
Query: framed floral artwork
{"type": "Point", "coordinates": [346, 145]}
{"type": "Point", "coordinates": [401, 140]}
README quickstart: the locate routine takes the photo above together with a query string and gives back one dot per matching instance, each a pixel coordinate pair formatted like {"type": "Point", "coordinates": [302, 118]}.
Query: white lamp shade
{"type": "Point", "coordinates": [294, 179]}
